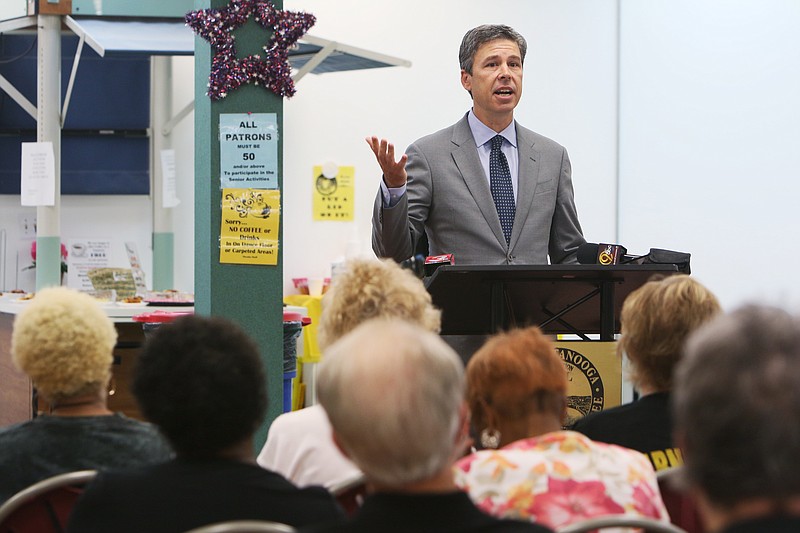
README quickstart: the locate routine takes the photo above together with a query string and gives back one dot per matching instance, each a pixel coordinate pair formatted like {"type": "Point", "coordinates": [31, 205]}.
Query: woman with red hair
{"type": "Point", "coordinates": [530, 468]}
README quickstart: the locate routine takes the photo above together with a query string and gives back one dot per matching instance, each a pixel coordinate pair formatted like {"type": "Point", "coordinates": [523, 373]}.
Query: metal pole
{"type": "Point", "coordinates": [48, 233]}
{"type": "Point", "coordinates": [160, 114]}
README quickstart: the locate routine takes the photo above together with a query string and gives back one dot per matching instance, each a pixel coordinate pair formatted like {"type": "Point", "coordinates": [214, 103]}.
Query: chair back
{"type": "Point", "coordinates": [245, 526]}
{"type": "Point", "coordinates": [680, 506]}
{"type": "Point", "coordinates": [350, 493]}
{"type": "Point", "coordinates": [649, 525]}
{"type": "Point", "coordinates": [45, 506]}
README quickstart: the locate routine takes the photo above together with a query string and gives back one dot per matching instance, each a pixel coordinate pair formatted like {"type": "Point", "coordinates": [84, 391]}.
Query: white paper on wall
{"type": "Point", "coordinates": [169, 188]}
{"type": "Point", "coordinates": [38, 182]}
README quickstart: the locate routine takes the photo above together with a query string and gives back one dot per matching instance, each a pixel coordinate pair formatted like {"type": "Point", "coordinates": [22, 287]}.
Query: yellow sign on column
{"type": "Point", "coordinates": [249, 227]}
{"type": "Point", "coordinates": [333, 197]}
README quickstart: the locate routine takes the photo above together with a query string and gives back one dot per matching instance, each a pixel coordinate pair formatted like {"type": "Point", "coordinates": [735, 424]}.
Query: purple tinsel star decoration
{"type": "Point", "coordinates": [228, 72]}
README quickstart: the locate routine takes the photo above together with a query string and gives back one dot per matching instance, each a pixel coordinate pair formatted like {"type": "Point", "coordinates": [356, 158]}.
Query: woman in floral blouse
{"type": "Point", "coordinates": [530, 469]}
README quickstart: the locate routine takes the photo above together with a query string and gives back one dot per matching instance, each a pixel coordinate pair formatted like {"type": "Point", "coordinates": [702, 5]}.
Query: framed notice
{"type": "Point", "coordinates": [248, 150]}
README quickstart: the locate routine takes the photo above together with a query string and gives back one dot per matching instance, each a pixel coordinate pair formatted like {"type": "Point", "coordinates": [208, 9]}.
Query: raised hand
{"type": "Point", "coordinates": [394, 172]}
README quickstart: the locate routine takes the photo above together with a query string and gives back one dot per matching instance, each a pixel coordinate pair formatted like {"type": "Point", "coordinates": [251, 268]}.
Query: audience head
{"type": "Point", "coordinates": [475, 37]}
{"type": "Point", "coordinates": [393, 392]}
{"type": "Point", "coordinates": [656, 319]}
{"type": "Point", "coordinates": [368, 289]}
{"type": "Point", "coordinates": [736, 405]}
{"type": "Point", "coordinates": [514, 379]}
{"type": "Point", "coordinates": [63, 341]}
{"type": "Point", "coordinates": [201, 381]}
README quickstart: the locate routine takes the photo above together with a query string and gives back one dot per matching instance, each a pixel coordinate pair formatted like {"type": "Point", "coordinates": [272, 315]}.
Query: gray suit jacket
{"type": "Point", "coordinates": [449, 199]}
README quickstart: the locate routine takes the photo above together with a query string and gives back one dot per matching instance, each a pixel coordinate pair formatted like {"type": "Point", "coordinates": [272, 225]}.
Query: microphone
{"type": "Point", "coordinates": [432, 262]}
{"type": "Point", "coordinates": [424, 267]}
{"type": "Point", "coordinates": [416, 264]}
{"type": "Point", "coordinates": [682, 260]}
{"type": "Point", "coordinates": [591, 253]}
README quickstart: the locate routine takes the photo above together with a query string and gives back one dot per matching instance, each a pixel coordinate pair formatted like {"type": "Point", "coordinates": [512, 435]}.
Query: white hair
{"type": "Point", "coordinates": [736, 404]}
{"type": "Point", "coordinates": [393, 393]}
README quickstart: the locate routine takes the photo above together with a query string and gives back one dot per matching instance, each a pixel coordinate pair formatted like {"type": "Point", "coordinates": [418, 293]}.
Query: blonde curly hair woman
{"type": "Point", "coordinates": [373, 289]}
{"type": "Point", "coordinates": [63, 341]}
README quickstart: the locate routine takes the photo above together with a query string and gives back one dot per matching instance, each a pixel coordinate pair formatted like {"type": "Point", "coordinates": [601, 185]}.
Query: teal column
{"type": "Point", "coordinates": [251, 295]}
{"type": "Point", "coordinates": [163, 261]}
{"type": "Point", "coordinates": [48, 262]}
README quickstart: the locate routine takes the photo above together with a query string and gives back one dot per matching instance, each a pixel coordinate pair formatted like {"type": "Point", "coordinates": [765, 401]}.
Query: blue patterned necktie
{"type": "Point", "coordinates": [500, 184]}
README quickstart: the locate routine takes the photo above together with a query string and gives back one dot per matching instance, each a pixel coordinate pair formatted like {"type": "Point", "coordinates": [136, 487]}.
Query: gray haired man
{"type": "Point", "coordinates": [737, 420]}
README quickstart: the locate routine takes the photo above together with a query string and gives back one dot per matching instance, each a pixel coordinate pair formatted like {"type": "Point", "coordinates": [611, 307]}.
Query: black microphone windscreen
{"type": "Point", "coordinates": [587, 253]}
{"type": "Point", "coordinates": [416, 264]}
{"type": "Point", "coordinates": [679, 259]}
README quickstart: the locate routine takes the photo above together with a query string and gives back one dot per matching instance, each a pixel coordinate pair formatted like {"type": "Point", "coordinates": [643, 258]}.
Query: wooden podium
{"type": "Point", "coordinates": [560, 299]}
{"type": "Point", "coordinates": [581, 300]}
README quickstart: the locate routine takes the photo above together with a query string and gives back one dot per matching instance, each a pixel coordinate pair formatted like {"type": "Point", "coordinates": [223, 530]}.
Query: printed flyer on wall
{"type": "Point", "coordinates": [248, 150]}
{"type": "Point", "coordinates": [250, 226]}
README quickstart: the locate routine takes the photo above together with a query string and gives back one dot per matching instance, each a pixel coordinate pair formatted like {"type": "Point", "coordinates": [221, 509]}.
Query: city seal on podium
{"type": "Point", "coordinates": [585, 389]}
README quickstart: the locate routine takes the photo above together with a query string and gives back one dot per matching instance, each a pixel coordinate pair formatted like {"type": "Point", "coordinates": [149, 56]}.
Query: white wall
{"type": "Point", "coordinates": [710, 162]}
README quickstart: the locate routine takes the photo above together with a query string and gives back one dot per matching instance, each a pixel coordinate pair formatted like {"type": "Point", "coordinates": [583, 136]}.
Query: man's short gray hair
{"type": "Point", "coordinates": [737, 407]}
{"type": "Point", "coordinates": [393, 393]}
{"type": "Point", "coordinates": [475, 37]}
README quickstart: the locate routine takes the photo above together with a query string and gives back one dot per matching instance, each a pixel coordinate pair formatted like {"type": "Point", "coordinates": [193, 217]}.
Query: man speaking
{"type": "Point", "coordinates": [486, 189]}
